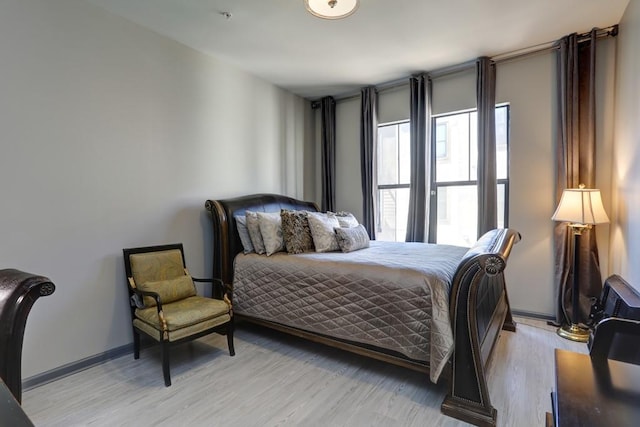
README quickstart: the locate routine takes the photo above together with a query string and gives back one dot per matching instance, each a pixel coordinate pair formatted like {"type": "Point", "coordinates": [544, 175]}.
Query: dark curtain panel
{"type": "Point", "coordinates": [487, 184]}
{"type": "Point", "coordinates": [368, 153]}
{"type": "Point", "coordinates": [328, 113]}
{"type": "Point", "coordinates": [420, 123]}
{"type": "Point", "coordinates": [575, 154]}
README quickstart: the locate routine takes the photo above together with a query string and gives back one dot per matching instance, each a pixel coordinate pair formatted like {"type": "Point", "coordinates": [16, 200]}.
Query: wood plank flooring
{"type": "Point", "coordinates": [277, 380]}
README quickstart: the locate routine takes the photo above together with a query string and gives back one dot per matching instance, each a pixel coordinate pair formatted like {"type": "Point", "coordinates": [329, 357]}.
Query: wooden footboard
{"type": "Point", "coordinates": [479, 305]}
{"type": "Point", "coordinates": [479, 310]}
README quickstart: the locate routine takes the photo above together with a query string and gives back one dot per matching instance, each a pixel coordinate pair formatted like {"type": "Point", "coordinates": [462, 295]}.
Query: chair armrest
{"type": "Point", "coordinates": [137, 299]}
{"type": "Point", "coordinates": [218, 289]}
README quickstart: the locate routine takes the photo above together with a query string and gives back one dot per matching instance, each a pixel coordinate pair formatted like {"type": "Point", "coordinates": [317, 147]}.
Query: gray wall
{"type": "Point", "coordinates": [528, 85]}
{"type": "Point", "coordinates": [113, 136]}
{"type": "Point", "coordinates": [625, 233]}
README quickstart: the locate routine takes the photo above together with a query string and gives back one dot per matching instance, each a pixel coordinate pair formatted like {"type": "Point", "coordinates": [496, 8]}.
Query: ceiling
{"type": "Point", "coordinates": [385, 40]}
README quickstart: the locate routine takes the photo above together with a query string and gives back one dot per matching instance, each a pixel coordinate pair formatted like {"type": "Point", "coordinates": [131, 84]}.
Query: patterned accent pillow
{"type": "Point", "coordinates": [254, 232]}
{"type": "Point", "coordinates": [271, 230]}
{"type": "Point", "coordinates": [296, 232]}
{"type": "Point", "coordinates": [170, 290]}
{"type": "Point", "coordinates": [243, 232]}
{"type": "Point", "coordinates": [346, 219]}
{"type": "Point", "coordinates": [352, 238]}
{"type": "Point", "coordinates": [322, 225]}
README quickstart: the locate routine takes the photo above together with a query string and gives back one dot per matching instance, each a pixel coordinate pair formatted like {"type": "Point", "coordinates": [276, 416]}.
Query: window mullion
{"type": "Point", "coordinates": [469, 146]}
{"type": "Point", "coordinates": [398, 154]}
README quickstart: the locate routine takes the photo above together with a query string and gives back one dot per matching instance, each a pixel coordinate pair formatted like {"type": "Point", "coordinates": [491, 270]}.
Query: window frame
{"type": "Point", "coordinates": [446, 141]}
{"type": "Point", "coordinates": [382, 187]}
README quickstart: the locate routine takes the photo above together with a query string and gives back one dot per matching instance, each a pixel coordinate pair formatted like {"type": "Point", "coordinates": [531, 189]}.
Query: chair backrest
{"type": "Point", "coordinates": [617, 339]}
{"type": "Point", "coordinates": [153, 263]}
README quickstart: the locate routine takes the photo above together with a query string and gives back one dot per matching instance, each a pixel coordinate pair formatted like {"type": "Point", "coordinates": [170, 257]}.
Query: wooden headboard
{"type": "Point", "coordinates": [226, 241]}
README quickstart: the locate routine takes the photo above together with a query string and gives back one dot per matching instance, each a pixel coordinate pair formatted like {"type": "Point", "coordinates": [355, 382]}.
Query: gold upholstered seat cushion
{"type": "Point", "coordinates": [184, 317]}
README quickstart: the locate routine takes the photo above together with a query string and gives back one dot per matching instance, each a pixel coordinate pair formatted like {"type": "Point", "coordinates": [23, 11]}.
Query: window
{"type": "Point", "coordinates": [394, 178]}
{"type": "Point", "coordinates": [454, 175]}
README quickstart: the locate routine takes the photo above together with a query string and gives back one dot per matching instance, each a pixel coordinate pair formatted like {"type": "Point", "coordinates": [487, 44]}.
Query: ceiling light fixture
{"type": "Point", "coordinates": [331, 9]}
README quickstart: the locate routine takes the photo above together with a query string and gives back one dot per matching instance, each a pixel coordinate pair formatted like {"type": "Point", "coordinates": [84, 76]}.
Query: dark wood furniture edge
{"type": "Point", "coordinates": [18, 292]}
{"type": "Point", "coordinates": [594, 392]}
{"type": "Point", "coordinates": [221, 251]}
{"type": "Point", "coordinates": [485, 261]}
{"type": "Point", "coordinates": [11, 413]}
{"type": "Point", "coordinates": [468, 397]}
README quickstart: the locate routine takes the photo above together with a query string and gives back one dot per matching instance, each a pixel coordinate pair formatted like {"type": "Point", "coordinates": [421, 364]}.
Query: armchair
{"type": "Point", "coordinates": [164, 303]}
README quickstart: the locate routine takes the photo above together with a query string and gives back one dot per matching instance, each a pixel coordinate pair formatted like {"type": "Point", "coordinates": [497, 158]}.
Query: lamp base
{"type": "Point", "coordinates": [574, 333]}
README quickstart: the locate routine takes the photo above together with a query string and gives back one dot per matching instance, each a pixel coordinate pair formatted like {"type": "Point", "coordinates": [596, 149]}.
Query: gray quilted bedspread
{"type": "Point", "coordinates": [390, 295]}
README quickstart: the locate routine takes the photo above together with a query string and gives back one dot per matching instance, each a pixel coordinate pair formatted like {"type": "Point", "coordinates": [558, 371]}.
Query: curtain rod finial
{"type": "Point", "coordinates": [614, 31]}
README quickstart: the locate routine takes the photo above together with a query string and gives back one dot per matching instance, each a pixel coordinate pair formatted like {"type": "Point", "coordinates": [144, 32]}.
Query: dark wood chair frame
{"type": "Point", "coordinates": [136, 301]}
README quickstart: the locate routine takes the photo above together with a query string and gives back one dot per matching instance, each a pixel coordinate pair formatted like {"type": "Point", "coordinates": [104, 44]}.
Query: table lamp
{"type": "Point", "coordinates": [581, 208]}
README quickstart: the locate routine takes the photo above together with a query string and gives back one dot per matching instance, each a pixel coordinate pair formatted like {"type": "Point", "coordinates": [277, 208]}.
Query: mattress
{"type": "Point", "coordinates": [392, 295]}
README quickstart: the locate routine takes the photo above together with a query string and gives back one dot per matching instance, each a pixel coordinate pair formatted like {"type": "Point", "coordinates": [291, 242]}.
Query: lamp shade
{"type": "Point", "coordinates": [331, 9]}
{"type": "Point", "coordinates": [581, 206]}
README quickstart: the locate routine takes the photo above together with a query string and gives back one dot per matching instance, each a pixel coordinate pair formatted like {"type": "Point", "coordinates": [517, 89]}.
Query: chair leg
{"type": "Point", "coordinates": [230, 329]}
{"type": "Point", "coordinates": [164, 346]}
{"type": "Point", "coordinates": [136, 344]}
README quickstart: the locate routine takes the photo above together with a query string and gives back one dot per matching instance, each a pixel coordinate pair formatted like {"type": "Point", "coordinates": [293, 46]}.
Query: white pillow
{"type": "Point", "coordinates": [243, 232]}
{"type": "Point", "coordinates": [346, 219]}
{"type": "Point", "coordinates": [271, 230]}
{"type": "Point", "coordinates": [254, 232]}
{"type": "Point", "coordinates": [322, 225]}
{"type": "Point", "coordinates": [352, 238]}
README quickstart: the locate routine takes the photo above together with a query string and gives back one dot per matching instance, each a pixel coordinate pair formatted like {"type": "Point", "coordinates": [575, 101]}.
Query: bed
{"type": "Point", "coordinates": [436, 309]}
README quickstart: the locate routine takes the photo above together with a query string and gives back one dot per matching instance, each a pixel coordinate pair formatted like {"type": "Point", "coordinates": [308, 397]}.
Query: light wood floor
{"type": "Point", "coordinates": [277, 380]}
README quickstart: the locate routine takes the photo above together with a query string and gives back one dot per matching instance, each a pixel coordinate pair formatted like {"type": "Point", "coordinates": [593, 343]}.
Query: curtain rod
{"type": "Point", "coordinates": [380, 87]}
{"type": "Point", "coordinates": [611, 31]}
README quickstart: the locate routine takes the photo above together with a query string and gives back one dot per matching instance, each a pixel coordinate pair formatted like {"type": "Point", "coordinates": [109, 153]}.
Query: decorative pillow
{"type": "Point", "coordinates": [243, 232]}
{"type": "Point", "coordinates": [170, 290]}
{"type": "Point", "coordinates": [346, 219]}
{"type": "Point", "coordinates": [254, 232]}
{"type": "Point", "coordinates": [271, 230]}
{"type": "Point", "coordinates": [352, 238]}
{"type": "Point", "coordinates": [296, 232]}
{"type": "Point", "coordinates": [322, 225]}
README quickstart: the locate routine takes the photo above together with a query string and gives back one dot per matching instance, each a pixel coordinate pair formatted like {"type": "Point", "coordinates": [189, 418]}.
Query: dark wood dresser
{"type": "Point", "coordinates": [594, 394]}
{"type": "Point", "coordinates": [11, 413]}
